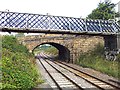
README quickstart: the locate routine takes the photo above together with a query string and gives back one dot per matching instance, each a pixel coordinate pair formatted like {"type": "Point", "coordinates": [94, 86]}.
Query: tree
{"type": "Point", "coordinates": [119, 21]}
{"type": "Point", "coordinates": [104, 11]}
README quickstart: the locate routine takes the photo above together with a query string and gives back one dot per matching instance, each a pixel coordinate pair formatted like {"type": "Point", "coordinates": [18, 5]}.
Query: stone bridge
{"type": "Point", "coordinates": [69, 46]}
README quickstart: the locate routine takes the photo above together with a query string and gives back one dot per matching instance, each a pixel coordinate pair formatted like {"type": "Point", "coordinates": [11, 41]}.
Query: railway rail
{"type": "Point", "coordinates": [61, 80]}
{"type": "Point", "coordinates": [56, 71]}
{"type": "Point", "coordinates": [91, 79]}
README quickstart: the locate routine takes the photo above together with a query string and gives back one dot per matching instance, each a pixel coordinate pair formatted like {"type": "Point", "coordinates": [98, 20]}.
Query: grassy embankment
{"type": "Point", "coordinates": [18, 66]}
{"type": "Point", "coordinates": [95, 59]}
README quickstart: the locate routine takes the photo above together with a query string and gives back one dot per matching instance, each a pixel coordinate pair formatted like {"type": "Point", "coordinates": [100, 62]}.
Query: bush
{"type": "Point", "coordinates": [18, 69]}
{"type": "Point", "coordinates": [11, 43]}
{"type": "Point", "coordinates": [118, 58]}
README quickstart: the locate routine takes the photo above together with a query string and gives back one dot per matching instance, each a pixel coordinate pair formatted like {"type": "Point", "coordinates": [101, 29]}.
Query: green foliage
{"type": "Point", "coordinates": [103, 11]}
{"type": "Point", "coordinates": [11, 43]}
{"type": "Point", "coordinates": [119, 21]}
{"type": "Point", "coordinates": [118, 58]}
{"type": "Point", "coordinates": [18, 67]}
{"type": "Point", "coordinates": [47, 49]}
{"type": "Point", "coordinates": [95, 59]}
{"type": "Point", "coordinates": [51, 50]}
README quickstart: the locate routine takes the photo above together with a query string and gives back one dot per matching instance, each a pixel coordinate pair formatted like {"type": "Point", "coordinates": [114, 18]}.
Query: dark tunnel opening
{"type": "Point", "coordinates": [63, 52]}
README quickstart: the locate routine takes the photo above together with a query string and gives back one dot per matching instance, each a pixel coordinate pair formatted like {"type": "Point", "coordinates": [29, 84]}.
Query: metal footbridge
{"type": "Point", "coordinates": [36, 23]}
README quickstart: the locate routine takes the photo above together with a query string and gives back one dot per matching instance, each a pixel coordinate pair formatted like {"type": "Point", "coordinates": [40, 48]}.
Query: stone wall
{"type": "Point", "coordinates": [84, 44]}
{"type": "Point", "coordinates": [75, 44]}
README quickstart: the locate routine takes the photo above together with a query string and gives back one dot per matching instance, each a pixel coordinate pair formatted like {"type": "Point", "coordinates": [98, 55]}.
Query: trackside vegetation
{"type": "Point", "coordinates": [47, 49]}
{"type": "Point", "coordinates": [95, 59]}
{"type": "Point", "coordinates": [18, 66]}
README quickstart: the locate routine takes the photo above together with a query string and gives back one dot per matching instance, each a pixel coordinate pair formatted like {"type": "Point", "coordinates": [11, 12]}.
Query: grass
{"type": "Point", "coordinates": [95, 60]}
{"type": "Point", "coordinates": [18, 66]}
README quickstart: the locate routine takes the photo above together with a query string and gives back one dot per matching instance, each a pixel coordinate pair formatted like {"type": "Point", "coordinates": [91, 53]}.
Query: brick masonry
{"type": "Point", "coordinates": [69, 46]}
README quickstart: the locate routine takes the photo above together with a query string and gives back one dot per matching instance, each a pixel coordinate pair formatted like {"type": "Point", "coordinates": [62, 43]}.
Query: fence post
{"type": "Point", "coordinates": [85, 24]}
{"type": "Point", "coordinates": [6, 11]}
{"type": "Point", "coordinates": [100, 26]}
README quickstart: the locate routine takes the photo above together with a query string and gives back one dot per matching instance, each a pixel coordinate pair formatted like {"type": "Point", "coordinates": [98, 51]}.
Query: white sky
{"type": "Point", "coordinates": [69, 8]}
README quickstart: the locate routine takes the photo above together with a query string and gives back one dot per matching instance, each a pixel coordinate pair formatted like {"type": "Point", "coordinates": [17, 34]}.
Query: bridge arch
{"type": "Point", "coordinates": [64, 52]}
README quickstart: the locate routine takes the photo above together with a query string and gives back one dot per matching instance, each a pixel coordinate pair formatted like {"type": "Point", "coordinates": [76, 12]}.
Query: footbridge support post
{"type": "Point", "coordinates": [112, 46]}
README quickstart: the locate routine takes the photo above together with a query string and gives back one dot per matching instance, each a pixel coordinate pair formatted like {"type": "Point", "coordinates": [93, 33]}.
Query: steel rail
{"type": "Point", "coordinates": [50, 76]}
{"type": "Point", "coordinates": [117, 88]}
{"type": "Point", "coordinates": [65, 76]}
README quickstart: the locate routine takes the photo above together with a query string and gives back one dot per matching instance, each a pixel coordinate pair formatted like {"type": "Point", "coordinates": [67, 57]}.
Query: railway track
{"type": "Point", "coordinates": [67, 81]}
{"type": "Point", "coordinates": [93, 80]}
{"type": "Point", "coordinates": [61, 80]}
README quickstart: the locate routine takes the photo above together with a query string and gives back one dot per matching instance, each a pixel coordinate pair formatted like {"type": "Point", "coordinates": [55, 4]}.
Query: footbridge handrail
{"type": "Point", "coordinates": [15, 21]}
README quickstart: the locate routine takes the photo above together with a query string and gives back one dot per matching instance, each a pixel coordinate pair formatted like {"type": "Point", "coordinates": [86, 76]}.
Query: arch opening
{"type": "Point", "coordinates": [61, 52]}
